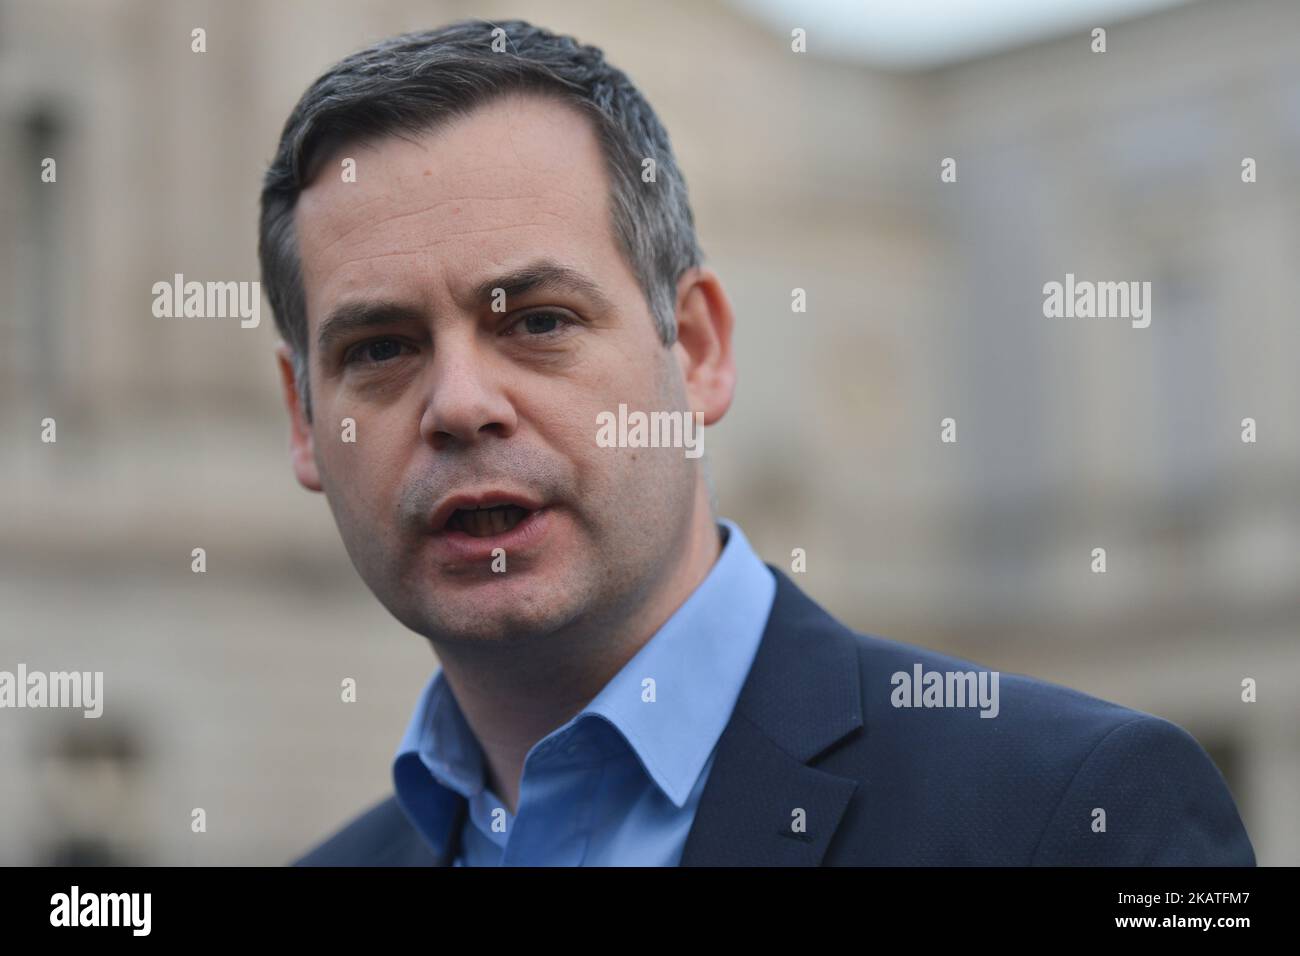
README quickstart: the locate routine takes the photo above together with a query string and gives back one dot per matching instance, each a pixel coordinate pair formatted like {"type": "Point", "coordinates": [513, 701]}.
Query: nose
{"type": "Point", "coordinates": [466, 399]}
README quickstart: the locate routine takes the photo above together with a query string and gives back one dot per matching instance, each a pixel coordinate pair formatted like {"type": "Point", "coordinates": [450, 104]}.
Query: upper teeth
{"type": "Point", "coordinates": [488, 519]}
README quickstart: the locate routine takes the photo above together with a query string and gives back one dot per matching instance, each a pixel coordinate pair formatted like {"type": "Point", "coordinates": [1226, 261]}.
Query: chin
{"type": "Point", "coordinates": [488, 612]}
{"type": "Point", "coordinates": [497, 626]}
{"type": "Point", "coordinates": [531, 598]}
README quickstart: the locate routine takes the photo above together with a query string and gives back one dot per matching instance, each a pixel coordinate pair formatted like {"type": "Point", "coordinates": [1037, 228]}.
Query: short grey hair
{"type": "Point", "coordinates": [410, 83]}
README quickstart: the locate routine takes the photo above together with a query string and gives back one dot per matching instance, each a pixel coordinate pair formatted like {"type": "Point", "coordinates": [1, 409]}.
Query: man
{"type": "Point", "coordinates": [478, 247]}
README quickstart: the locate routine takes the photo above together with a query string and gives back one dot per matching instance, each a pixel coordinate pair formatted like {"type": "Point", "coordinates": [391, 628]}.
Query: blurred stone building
{"type": "Point", "coordinates": [924, 302]}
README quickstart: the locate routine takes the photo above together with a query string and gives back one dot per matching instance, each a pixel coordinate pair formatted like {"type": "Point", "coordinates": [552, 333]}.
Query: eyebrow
{"type": "Point", "coordinates": [354, 316]}
{"type": "Point", "coordinates": [543, 275]}
{"type": "Point", "coordinates": [538, 275]}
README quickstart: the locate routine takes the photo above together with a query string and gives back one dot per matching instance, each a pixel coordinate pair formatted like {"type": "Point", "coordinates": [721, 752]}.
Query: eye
{"type": "Point", "coordinates": [541, 324]}
{"type": "Point", "coordinates": [374, 352]}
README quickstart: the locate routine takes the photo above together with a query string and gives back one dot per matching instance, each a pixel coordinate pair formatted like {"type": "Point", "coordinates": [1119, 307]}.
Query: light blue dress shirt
{"type": "Point", "coordinates": [619, 783]}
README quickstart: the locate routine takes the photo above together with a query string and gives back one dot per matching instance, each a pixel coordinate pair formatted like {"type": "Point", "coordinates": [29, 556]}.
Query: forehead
{"type": "Point", "coordinates": [431, 214]}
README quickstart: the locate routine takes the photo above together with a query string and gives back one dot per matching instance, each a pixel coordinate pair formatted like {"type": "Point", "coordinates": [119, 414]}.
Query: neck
{"type": "Point", "coordinates": [513, 696]}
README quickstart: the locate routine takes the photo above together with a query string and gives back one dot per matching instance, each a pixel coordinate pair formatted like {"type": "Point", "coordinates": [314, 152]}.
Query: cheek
{"type": "Point", "coordinates": [356, 457]}
{"type": "Point", "coordinates": [622, 482]}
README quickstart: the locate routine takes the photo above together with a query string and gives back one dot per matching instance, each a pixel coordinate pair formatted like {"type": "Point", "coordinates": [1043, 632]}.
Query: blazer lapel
{"type": "Point", "coordinates": [802, 696]}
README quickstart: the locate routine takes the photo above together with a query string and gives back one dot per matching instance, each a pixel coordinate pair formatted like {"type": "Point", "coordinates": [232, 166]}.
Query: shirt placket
{"type": "Point", "coordinates": [556, 805]}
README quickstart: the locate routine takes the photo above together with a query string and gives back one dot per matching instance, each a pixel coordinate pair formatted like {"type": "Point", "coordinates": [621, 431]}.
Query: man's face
{"type": "Point", "coordinates": [457, 405]}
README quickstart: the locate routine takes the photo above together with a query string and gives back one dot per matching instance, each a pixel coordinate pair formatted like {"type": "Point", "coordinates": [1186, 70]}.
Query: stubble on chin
{"type": "Point", "coordinates": [518, 614]}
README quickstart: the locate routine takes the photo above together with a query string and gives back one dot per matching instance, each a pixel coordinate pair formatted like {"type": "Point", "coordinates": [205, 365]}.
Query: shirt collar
{"type": "Point", "coordinates": [698, 661]}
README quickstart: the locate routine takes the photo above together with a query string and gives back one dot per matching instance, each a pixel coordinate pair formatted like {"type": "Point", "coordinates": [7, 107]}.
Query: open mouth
{"type": "Point", "coordinates": [485, 522]}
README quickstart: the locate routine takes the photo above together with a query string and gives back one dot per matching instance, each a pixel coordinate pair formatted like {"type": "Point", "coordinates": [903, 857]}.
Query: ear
{"type": "Point", "coordinates": [703, 346]}
{"type": "Point", "coordinates": [302, 447]}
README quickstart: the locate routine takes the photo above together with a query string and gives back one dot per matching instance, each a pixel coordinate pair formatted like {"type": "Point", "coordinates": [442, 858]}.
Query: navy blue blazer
{"type": "Point", "coordinates": [814, 729]}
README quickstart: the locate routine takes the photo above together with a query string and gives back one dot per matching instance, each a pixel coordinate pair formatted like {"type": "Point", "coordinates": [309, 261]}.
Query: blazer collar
{"type": "Point", "coordinates": [802, 696]}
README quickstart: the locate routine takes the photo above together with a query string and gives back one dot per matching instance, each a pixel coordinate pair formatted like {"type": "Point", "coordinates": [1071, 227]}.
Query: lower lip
{"type": "Point", "coordinates": [452, 544]}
